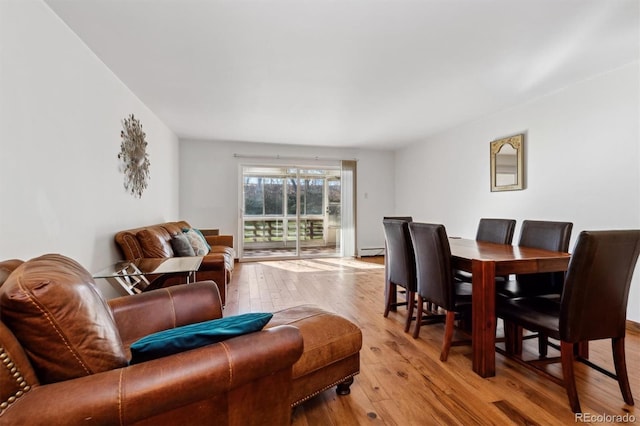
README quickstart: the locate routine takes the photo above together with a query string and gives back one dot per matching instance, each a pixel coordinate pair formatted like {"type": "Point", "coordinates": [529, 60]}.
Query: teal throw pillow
{"type": "Point", "coordinates": [174, 340]}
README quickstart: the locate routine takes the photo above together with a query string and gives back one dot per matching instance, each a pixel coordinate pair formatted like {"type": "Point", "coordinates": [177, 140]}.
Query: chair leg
{"type": "Point", "coordinates": [416, 330]}
{"type": "Point", "coordinates": [465, 323]}
{"type": "Point", "coordinates": [512, 338]}
{"type": "Point", "coordinates": [582, 349]}
{"type": "Point", "coordinates": [566, 355]}
{"type": "Point", "coordinates": [543, 343]}
{"type": "Point", "coordinates": [448, 335]}
{"type": "Point", "coordinates": [391, 292]}
{"type": "Point", "coordinates": [411, 295]}
{"type": "Point", "coordinates": [617, 345]}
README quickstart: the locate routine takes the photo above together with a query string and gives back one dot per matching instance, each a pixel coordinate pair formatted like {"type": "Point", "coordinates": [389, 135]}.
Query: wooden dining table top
{"type": "Point", "coordinates": [509, 259]}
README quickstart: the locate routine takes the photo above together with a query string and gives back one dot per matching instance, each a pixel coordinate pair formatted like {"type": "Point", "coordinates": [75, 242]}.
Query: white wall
{"type": "Point", "coordinates": [582, 164]}
{"type": "Point", "coordinates": [60, 121]}
{"type": "Point", "coordinates": [209, 185]}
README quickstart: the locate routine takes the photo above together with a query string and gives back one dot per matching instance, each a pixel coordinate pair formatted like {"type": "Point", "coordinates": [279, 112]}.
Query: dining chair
{"type": "Point", "coordinates": [597, 281]}
{"type": "Point", "coordinates": [406, 219]}
{"type": "Point", "coordinates": [499, 231]}
{"type": "Point", "coordinates": [548, 235]}
{"type": "Point", "coordinates": [400, 267]}
{"type": "Point", "coordinates": [435, 281]}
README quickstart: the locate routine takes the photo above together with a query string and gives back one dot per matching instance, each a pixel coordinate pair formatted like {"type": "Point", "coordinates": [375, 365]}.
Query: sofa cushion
{"type": "Point", "coordinates": [181, 246]}
{"type": "Point", "coordinates": [128, 243]}
{"type": "Point", "coordinates": [199, 244]}
{"type": "Point", "coordinates": [66, 328]}
{"type": "Point", "coordinates": [174, 340]}
{"type": "Point", "coordinates": [155, 242]}
{"type": "Point", "coordinates": [174, 228]}
{"type": "Point", "coordinates": [7, 267]}
{"type": "Point", "coordinates": [229, 251]}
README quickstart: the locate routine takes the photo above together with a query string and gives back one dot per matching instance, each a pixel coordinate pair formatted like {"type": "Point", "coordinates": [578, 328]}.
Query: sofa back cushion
{"type": "Point", "coordinates": [174, 228]}
{"type": "Point", "coordinates": [155, 242]}
{"type": "Point", "coordinates": [7, 267]}
{"type": "Point", "coordinates": [129, 245]}
{"type": "Point", "coordinates": [65, 327]}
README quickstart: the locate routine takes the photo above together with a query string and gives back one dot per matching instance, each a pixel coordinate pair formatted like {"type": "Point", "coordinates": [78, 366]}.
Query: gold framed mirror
{"type": "Point", "coordinates": [507, 163]}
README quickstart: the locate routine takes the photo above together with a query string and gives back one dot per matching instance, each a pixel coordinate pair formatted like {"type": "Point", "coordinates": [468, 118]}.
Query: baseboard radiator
{"type": "Point", "coordinates": [371, 251]}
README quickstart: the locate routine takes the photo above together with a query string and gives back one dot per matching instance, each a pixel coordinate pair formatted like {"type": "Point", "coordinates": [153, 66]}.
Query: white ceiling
{"type": "Point", "coordinates": [356, 73]}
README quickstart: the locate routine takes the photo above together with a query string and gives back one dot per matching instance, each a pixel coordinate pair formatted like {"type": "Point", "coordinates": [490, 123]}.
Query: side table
{"type": "Point", "coordinates": [132, 275]}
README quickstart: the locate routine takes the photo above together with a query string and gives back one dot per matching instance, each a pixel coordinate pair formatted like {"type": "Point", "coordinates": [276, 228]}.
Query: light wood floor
{"type": "Point", "coordinates": [402, 382]}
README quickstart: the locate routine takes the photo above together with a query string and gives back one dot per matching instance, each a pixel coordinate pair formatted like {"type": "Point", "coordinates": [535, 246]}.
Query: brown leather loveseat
{"type": "Point", "coordinates": [154, 241]}
{"type": "Point", "coordinates": [64, 354]}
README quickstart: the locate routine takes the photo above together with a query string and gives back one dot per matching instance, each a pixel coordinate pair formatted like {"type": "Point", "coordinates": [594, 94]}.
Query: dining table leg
{"type": "Point", "coordinates": [483, 311]}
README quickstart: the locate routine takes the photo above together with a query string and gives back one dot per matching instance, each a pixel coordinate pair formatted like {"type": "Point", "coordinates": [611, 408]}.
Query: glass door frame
{"type": "Point", "coordinates": [298, 218]}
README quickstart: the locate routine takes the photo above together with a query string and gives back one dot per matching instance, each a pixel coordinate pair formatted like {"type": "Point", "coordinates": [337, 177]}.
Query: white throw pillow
{"type": "Point", "coordinates": [197, 241]}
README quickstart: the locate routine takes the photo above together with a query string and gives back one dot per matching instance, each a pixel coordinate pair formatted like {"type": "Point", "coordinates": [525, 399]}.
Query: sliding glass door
{"type": "Point", "coordinates": [290, 211]}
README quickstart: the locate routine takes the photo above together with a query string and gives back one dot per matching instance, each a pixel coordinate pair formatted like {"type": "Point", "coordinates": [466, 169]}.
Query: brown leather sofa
{"type": "Point", "coordinates": [154, 241]}
{"type": "Point", "coordinates": [64, 355]}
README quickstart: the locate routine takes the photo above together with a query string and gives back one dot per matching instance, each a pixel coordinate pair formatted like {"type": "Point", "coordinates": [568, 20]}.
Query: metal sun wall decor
{"type": "Point", "coordinates": [133, 156]}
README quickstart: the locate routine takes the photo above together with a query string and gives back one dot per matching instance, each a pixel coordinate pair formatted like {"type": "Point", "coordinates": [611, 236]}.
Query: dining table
{"type": "Point", "coordinates": [485, 261]}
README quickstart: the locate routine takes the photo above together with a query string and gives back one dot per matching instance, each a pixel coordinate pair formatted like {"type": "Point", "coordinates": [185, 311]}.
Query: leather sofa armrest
{"type": "Point", "coordinates": [139, 315]}
{"type": "Point", "coordinates": [141, 391]}
{"type": "Point", "coordinates": [220, 240]}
